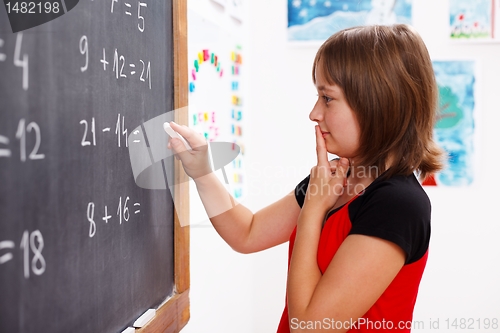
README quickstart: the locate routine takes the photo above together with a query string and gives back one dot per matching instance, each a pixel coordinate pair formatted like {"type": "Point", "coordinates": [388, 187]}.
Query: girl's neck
{"type": "Point", "coordinates": [356, 185]}
{"type": "Point", "coordinates": [360, 177]}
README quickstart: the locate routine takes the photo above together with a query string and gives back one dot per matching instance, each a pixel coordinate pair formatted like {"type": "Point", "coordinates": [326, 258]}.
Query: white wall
{"type": "Point", "coordinates": [221, 292]}
{"type": "Point", "coordinates": [463, 271]}
{"type": "Point", "coordinates": [237, 293]}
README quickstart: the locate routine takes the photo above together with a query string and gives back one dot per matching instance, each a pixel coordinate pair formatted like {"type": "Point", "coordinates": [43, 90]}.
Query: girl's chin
{"type": "Point", "coordinates": [332, 149]}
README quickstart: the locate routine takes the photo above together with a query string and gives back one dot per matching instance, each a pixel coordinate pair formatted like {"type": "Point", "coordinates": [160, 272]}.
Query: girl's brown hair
{"type": "Point", "coordinates": [387, 78]}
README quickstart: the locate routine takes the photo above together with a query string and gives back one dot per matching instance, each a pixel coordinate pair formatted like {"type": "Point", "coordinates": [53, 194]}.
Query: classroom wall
{"type": "Point", "coordinates": [231, 292]}
{"type": "Point", "coordinates": [221, 279]}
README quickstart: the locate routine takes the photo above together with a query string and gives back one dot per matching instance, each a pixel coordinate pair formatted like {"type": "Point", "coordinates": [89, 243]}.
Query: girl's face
{"type": "Point", "coordinates": [335, 118]}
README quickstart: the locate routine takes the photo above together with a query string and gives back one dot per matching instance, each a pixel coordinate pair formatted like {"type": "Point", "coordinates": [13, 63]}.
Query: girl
{"type": "Point", "coordinates": [358, 227]}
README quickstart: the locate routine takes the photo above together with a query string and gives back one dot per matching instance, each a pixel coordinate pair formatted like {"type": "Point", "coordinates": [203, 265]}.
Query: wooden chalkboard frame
{"type": "Point", "coordinates": [173, 315]}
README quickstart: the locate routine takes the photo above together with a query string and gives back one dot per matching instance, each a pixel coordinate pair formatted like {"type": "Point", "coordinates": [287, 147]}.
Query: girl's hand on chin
{"type": "Point", "coordinates": [328, 178]}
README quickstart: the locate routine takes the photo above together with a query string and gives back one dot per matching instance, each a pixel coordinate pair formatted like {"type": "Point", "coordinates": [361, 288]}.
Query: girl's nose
{"type": "Point", "coordinates": [316, 114]}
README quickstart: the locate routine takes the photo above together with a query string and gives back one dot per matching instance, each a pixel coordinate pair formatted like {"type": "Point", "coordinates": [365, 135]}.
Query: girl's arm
{"type": "Point", "coordinates": [243, 230]}
{"type": "Point", "coordinates": [358, 274]}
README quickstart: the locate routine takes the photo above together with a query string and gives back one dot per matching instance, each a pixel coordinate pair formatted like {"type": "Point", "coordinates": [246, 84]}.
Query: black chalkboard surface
{"type": "Point", "coordinates": [82, 247]}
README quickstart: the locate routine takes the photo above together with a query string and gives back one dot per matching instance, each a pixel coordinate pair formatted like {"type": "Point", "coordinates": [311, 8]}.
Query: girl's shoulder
{"type": "Point", "coordinates": [396, 209]}
{"type": "Point", "coordinates": [398, 189]}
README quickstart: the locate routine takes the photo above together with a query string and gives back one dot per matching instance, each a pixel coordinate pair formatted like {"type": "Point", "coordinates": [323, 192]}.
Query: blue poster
{"type": "Point", "coordinates": [471, 19]}
{"type": "Point", "coordinates": [316, 20]}
{"type": "Point", "coordinates": [454, 129]}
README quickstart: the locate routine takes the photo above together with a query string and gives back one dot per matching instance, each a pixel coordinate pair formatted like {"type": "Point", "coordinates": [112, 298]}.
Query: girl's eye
{"type": "Point", "coordinates": [327, 99]}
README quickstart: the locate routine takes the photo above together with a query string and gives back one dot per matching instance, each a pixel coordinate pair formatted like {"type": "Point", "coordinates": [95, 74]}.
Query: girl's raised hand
{"type": "Point", "coordinates": [327, 179]}
{"type": "Point", "coordinates": [195, 162]}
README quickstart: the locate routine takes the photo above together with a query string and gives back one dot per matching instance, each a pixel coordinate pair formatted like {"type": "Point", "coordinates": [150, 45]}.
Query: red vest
{"type": "Point", "coordinates": [394, 309]}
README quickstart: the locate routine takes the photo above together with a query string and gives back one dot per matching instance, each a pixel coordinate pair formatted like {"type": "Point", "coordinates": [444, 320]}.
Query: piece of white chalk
{"type": "Point", "coordinates": [129, 330]}
{"type": "Point", "coordinates": [144, 318]}
{"type": "Point", "coordinates": [173, 134]}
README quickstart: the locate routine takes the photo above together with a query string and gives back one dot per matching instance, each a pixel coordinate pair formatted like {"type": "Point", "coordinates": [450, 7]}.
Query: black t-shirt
{"type": "Point", "coordinates": [396, 209]}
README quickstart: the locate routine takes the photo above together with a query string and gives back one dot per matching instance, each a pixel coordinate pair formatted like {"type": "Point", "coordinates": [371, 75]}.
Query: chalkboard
{"type": "Point", "coordinates": [83, 248]}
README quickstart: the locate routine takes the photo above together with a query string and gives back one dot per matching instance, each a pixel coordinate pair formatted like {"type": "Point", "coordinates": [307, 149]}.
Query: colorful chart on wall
{"type": "Point", "coordinates": [455, 130]}
{"type": "Point", "coordinates": [316, 20]}
{"type": "Point", "coordinates": [216, 109]}
{"type": "Point", "coordinates": [474, 20]}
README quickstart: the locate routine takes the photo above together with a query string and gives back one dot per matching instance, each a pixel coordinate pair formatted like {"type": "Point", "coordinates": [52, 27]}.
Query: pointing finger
{"type": "Point", "coordinates": [321, 152]}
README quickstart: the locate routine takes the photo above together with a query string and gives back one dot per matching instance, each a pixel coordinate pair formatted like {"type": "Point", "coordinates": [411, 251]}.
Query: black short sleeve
{"type": "Point", "coordinates": [301, 190]}
{"type": "Point", "coordinates": [397, 210]}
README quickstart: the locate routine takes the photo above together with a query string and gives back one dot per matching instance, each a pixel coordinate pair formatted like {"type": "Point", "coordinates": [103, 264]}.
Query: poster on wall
{"type": "Point", "coordinates": [316, 20]}
{"type": "Point", "coordinates": [455, 129]}
{"type": "Point", "coordinates": [474, 20]}
{"type": "Point", "coordinates": [216, 101]}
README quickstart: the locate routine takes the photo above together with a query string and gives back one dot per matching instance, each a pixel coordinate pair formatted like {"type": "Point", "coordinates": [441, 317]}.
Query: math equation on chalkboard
{"type": "Point", "coordinates": [28, 250]}
{"type": "Point", "coordinates": [123, 214]}
{"type": "Point", "coordinates": [121, 67]}
{"type": "Point", "coordinates": [118, 131]}
{"type": "Point", "coordinates": [73, 222]}
{"type": "Point", "coordinates": [25, 152]}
